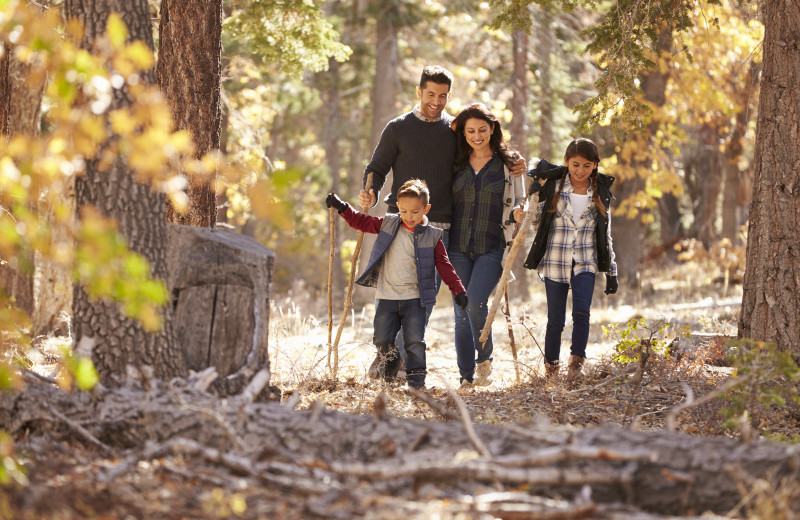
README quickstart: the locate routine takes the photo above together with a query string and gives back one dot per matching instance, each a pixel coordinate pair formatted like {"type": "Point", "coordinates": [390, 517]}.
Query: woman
{"type": "Point", "coordinates": [484, 196]}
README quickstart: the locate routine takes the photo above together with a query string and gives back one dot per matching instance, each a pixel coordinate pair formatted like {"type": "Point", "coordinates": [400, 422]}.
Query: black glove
{"type": "Point", "coordinates": [333, 201]}
{"type": "Point", "coordinates": [461, 300]}
{"type": "Point", "coordinates": [611, 284]}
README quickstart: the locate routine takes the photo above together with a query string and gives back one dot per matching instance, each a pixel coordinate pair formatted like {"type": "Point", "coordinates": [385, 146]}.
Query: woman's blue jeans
{"type": "Point", "coordinates": [582, 290]}
{"type": "Point", "coordinates": [479, 274]}
{"type": "Point", "coordinates": [409, 316]}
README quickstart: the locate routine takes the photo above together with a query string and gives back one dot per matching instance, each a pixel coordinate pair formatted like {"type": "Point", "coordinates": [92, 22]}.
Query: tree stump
{"type": "Point", "coordinates": [220, 283]}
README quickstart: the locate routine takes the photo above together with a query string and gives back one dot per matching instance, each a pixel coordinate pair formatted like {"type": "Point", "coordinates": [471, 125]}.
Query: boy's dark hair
{"type": "Point", "coordinates": [436, 74]}
{"type": "Point", "coordinates": [415, 188]}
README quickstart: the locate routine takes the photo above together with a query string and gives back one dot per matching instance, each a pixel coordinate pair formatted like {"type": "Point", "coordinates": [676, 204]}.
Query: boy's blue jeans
{"type": "Point", "coordinates": [410, 316]}
{"type": "Point", "coordinates": [582, 290]}
{"type": "Point", "coordinates": [479, 274]}
{"type": "Point", "coordinates": [400, 341]}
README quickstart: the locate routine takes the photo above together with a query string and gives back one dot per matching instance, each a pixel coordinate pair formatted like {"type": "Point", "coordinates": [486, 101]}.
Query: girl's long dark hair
{"type": "Point", "coordinates": [496, 142]}
{"type": "Point", "coordinates": [585, 148]}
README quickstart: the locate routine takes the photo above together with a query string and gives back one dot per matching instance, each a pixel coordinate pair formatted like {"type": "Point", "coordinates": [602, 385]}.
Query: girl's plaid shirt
{"type": "Point", "coordinates": [570, 241]}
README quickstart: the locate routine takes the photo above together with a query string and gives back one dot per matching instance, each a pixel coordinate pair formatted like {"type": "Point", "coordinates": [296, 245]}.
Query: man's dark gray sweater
{"type": "Point", "coordinates": [415, 149]}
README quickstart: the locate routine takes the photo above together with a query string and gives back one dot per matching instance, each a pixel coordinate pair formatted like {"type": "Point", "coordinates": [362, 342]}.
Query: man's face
{"type": "Point", "coordinates": [433, 98]}
{"type": "Point", "coordinates": [412, 210]}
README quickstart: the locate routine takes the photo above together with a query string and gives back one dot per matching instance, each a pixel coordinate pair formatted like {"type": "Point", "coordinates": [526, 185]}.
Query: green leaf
{"type": "Point", "coordinates": [85, 374]}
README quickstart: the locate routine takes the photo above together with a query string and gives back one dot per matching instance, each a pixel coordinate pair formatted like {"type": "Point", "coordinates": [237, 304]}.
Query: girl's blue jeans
{"type": "Point", "coordinates": [479, 274]}
{"type": "Point", "coordinates": [582, 290]}
{"type": "Point", "coordinates": [410, 316]}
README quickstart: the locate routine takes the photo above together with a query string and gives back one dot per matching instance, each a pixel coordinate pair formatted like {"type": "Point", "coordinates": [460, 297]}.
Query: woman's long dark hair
{"type": "Point", "coordinates": [585, 148]}
{"type": "Point", "coordinates": [496, 142]}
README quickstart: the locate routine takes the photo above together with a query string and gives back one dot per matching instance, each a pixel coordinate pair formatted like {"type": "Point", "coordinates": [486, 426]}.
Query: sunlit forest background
{"type": "Point", "coordinates": [309, 124]}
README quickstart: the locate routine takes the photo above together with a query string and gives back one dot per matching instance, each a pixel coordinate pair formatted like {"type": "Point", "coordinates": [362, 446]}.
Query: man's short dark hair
{"type": "Point", "coordinates": [436, 74]}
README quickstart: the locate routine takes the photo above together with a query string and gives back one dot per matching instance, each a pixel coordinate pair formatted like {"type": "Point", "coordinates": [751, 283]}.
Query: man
{"type": "Point", "coordinates": [419, 145]}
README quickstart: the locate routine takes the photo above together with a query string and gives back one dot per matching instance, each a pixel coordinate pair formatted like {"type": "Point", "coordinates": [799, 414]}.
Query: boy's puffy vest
{"type": "Point", "coordinates": [425, 240]}
{"type": "Point", "coordinates": [550, 175]}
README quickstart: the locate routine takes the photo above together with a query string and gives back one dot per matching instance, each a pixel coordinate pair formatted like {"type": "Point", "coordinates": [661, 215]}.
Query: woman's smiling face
{"type": "Point", "coordinates": [478, 133]}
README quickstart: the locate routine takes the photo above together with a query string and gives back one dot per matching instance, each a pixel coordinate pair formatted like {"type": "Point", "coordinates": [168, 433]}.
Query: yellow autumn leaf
{"type": "Point", "coordinates": [122, 123]}
{"type": "Point", "coordinates": [140, 55]}
{"type": "Point", "coordinates": [116, 30]}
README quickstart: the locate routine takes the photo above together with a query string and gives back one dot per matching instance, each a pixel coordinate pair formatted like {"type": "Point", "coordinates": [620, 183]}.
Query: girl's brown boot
{"type": "Point", "coordinates": [550, 370]}
{"type": "Point", "coordinates": [575, 368]}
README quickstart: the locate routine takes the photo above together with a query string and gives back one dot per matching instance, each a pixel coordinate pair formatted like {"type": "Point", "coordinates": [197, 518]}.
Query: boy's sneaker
{"type": "Point", "coordinates": [386, 366]}
{"type": "Point", "coordinates": [375, 370]}
{"type": "Point", "coordinates": [483, 374]}
{"type": "Point", "coordinates": [466, 385]}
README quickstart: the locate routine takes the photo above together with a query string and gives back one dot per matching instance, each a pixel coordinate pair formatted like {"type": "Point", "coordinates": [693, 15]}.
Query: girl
{"type": "Point", "coordinates": [572, 244]}
{"type": "Point", "coordinates": [484, 194]}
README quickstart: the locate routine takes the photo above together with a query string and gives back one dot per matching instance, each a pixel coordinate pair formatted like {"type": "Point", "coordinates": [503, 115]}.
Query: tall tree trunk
{"type": "Point", "coordinates": [519, 140]}
{"type": "Point", "coordinates": [139, 212]}
{"type": "Point", "coordinates": [20, 109]}
{"type": "Point", "coordinates": [546, 123]}
{"type": "Point", "coordinates": [669, 218]}
{"type": "Point", "coordinates": [709, 171]}
{"type": "Point", "coordinates": [519, 100]}
{"type": "Point", "coordinates": [771, 281]}
{"type": "Point", "coordinates": [734, 151]}
{"type": "Point", "coordinates": [189, 74]}
{"type": "Point", "coordinates": [384, 108]}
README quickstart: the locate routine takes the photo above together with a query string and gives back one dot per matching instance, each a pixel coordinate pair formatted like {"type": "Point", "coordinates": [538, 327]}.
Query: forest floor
{"type": "Point", "coordinates": [71, 478]}
{"type": "Point", "coordinates": [680, 297]}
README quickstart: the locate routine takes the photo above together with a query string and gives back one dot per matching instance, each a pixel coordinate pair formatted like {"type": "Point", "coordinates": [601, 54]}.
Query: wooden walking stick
{"type": "Point", "coordinates": [348, 301]}
{"type": "Point", "coordinates": [501, 285]}
{"type": "Point", "coordinates": [330, 283]}
{"type": "Point", "coordinates": [511, 336]}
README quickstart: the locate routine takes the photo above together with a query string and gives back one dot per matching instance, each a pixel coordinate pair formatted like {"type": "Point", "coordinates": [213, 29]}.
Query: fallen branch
{"type": "Point", "coordinates": [467, 422]}
{"type": "Point", "coordinates": [481, 470]}
{"type": "Point", "coordinates": [435, 405]}
{"type": "Point", "coordinates": [80, 430]}
{"type": "Point", "coordinates": [690, 402]}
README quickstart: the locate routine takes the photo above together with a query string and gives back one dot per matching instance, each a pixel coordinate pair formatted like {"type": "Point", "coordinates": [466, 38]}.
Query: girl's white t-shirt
{"type": "Point", "coordinates": [579, 204]}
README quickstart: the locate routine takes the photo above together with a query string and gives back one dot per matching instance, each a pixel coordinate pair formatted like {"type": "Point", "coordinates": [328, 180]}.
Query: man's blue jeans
{"type": "Point", "coordinates": [391, 316]}
{"type": "Point", "coordinates": [479, 274]}
{"type": "Point", "coordinates": [582, 290]}
{"type": "Point", "coordinates": [400, 341]}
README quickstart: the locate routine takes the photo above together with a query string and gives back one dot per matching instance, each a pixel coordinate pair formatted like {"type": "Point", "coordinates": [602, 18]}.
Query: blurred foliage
{"type": "Point", "coordinates": [766, 375]}
{"type": "Point", "coordinates": [77, 371]}
{"type": "Point", "coordinates": [290, 33]}
{"type": "Point", "coordinates": [37, 172]}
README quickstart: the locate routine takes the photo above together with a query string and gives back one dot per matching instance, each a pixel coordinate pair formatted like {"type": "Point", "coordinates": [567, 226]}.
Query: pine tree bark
{"type": "Point", "coordinates": [771, 280]}
{"type": "Point", "coordinates": [139, 212]}
{"type": "Point", "coordinates": [189, 76]}
{"type": "Point", "coordinates": [384, 108]}
{"type": "Point", "coordinates": [734, 151]}
{"type": "Point", "coordinates": [330, 84]}
{"type": "Point", "coordinates": [519, 141]}
{"type": "Point", "coordinates": [709, 173]}
{"type": "Point", "coordinates": [545, 51]}
{"type": "Point", "coordinates": [20, 110]}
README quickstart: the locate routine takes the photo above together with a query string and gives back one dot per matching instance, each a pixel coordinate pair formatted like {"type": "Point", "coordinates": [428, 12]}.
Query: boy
{"type": "Point", "coordinates": [403, 266]}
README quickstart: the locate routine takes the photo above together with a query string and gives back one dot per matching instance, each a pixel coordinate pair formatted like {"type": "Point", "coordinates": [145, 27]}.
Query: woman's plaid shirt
{"type": "Point", "coordinates": [570, 241]}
